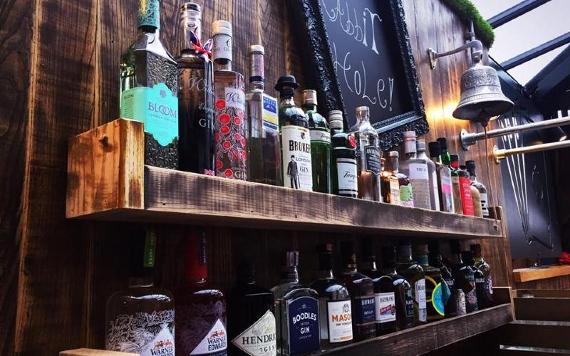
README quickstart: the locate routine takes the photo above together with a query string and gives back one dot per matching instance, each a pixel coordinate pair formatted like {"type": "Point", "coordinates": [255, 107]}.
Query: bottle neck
{"type": "Point", "coordinates": [423, 260]}
{"type": "Point", "coordinates": [286, 101]}
{"type": "Point", "coordinates": [257, 71]}
{"type": "Point", "coordinates": [436, 159]}
{"type": "Point", "coordinates": [290, 274]}
{"type": "Point", "coordinates": [445, 158]}
{"type": "Point", "coordinates": [326, 274]}
{"type": "Point", "coordinates": [369, 266]}
{"type": "Point", "coordinates": [310, 107]}
{"type": "Point", "coordinates": [222, 65]}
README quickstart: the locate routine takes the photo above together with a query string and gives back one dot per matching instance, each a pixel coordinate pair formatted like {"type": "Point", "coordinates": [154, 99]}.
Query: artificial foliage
{"type": "Point", "coordinates": [468, 12]}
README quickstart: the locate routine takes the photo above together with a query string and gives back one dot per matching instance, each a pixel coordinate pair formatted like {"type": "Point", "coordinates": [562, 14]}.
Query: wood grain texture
{"type": "Point", "coordinates": [94, 352]}
{"type": "Point", "coordinates": [542, 308]}
{"type": "Point", "coordinates": [550, 334]}
{"type": "Point", "coordinates": [531, 274]}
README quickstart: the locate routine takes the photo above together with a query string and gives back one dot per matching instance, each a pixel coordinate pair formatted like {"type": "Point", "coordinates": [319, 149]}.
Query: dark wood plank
{"type": "Point", "coordinates": [555, 293]}
{"type": "Point", "coordinates": [550, 334]}
{"type": "Point", "coordinates": [543, 308]}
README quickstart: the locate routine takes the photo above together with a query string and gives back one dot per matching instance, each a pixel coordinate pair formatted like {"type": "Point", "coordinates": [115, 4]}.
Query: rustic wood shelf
{"type": "Point", "coordinates": [108, 181]}
{"type": "Point", "coordinates": [532, 274]}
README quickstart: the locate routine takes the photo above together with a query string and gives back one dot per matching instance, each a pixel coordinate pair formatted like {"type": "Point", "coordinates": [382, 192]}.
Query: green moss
{"type": "Point", "coordinates": [467, 12]}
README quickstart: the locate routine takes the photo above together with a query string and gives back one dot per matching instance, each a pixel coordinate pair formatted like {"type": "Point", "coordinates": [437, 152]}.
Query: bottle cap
{"type": "Point", "coordinates": [362, 111]}
{"type": "Point", "coordinates": [246, 270]}
{"type": "Point", "coordinates": [222, 27]}
{"type": "Point", "coordinates": [409, 135]}
{"type": "Point", "coordinates": [421, 145]}
{"type": "Point", "coordinates": [286, 81]}
{"type": "Point", "coordinates": [395, 154]}
{"type": "Point", "coordinates": [442, 143]}
{"type": "Point", "coordinates": [190, 6]}
{"type": "Point", "coordinates": [335, 119]}
{"type": "Point", "coordinates": [454, 158]}
{"type": "Point", "coordinates": [434, 149]}
{"type": "Point", "coordinates": [291, 258]}
{"type": "Point", "coordinates": [257, 49]}
{"type": "Point", "coordinates": [310, 97]}
{"type": "Point", "coordinates": [434, 247]}
{"type": "Point", "coordinates": [325, 252]}
{"type": "Point", "coordinates": [470, 166]}
{"type": "Point", "coordinates": [149, 14]}
{"type": "Point", "coordinates": [455, 246]}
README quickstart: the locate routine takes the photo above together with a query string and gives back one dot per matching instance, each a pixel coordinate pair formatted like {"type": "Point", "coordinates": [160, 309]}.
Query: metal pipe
{"type": "Point", "coordinates": [467, 139]}
{"type": "Point", "coordinates": [513, 12]}
{"type": "Point", "coordinates": [502, 154]}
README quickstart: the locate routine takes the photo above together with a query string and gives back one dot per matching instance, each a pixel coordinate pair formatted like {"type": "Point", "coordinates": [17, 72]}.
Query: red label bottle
{"type": "Point", "coordinates": [466, 198]}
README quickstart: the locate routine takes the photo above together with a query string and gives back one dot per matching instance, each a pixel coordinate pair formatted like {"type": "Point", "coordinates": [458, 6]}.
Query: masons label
{"type": "Point", "coordinates": [214, 341]}
{"type": "Point", "coordinates": [296, 148]}
{"type": "Point", "coordinates": [385, 307]}
{"type": "Point", "coordinates": [346, 173]}
{"type": "Point", "coordinates": [259, 339]}
{"type": "Point", "coordinates": [303, 325]}
{"type": "Point", "coordinates": [339, 321]}
{"type": "Point", "coordinates": [364, 310]}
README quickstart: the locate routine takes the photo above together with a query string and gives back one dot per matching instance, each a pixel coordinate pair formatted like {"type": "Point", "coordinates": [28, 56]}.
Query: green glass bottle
{"type": "Point", "coordinates": [343, 174]}
{"type": "Point", "coordinates": [320, 143]}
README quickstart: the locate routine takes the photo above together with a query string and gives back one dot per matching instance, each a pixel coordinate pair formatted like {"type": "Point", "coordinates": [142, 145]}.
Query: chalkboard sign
{"type": "Point", "coordinates": [360, 55]}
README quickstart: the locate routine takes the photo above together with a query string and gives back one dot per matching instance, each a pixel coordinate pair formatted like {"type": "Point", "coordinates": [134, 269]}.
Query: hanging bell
{"type": "Point", "coordinates": [481, 95]}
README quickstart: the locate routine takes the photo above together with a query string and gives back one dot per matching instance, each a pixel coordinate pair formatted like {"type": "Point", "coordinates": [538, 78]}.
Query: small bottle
{"type": "Point", "coordinates": [320, 143]}
{"type": "Point", "coordinates": [457, 186]}
{"type": "Point", "coordinates": [361, 290]}
{"type": "Point", "coordinates": [480, 187]}
{"type": "Point", "coordinates": [196, 96]}
{"type": "Point", "coordinates": [263, 122]}
{"type": "Point", "coordinates": [367, 156]}
{"type": "Point", "coordinates": [415, 275]}
{"type": "Point", "coordinates": [433, 186]}
{"type": "Point", "coordinates": [404, 298]}
{"type": "Point", "coordinates": [140, 319]}
{"type": "Point", "coordinates": [149, 89]}
{"type": "Point", "coordinates": [343, 175]}
{"type": "Point", "coordinates": [417, 171]}
{"type": "Point", "coordinates": [297, 312]}
{"type": "Point", "coordinates": [396, 187]}
{"type": "Point", "coordinates": [251, 322]}
{"type": "Point", "coordinates": [335, 315]}
{"type": "Point", "coordinates": [452, 298]}
{"type": "Point", "coordinates": [475, 196]}
{"type": "Point", "coordinates": [443, 172]}
{"type": "Point", "coordinates": [464, 276]}
{"type": "Point", "coordinates": [200, 309]}
{"type": "Point", "coordinates": [230, 124]}
{"type": "Point", "coordinates": [295, 138]}
{"type": "Point", "coordinates": [384, 295]}
{"type": "Point", "coordinates": [485, 295]}
{"type": "Point", "coordinates": [436, 294]}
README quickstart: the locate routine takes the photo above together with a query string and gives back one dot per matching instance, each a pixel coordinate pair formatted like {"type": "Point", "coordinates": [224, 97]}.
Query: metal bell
{"type": "Point", "coordinates": [481, 95]}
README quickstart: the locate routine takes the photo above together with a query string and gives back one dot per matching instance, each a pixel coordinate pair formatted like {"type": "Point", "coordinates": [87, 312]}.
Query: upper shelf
{"type": "Point", "coordinates": [108, 181]}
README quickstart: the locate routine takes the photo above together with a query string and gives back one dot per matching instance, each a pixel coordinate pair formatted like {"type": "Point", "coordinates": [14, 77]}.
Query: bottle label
{"type": "Point", "coordinates": [214, 341]}
{"type": "Point", "coordinates": [420, 299]}
{"type": "Point", "coordinates": [435, 191]}
{"type": "Point", "coordinates": [156, 108]}
{"type": "Point", "coordinates": [222, 46]}
{"type": "Point", "coordinates": [394, 191]}
{"type": "Point", "coordinates": [385, 307]}
{"type": "Point", "coordinates": [466, 198]}
{"type": "Point", "coordinates": [296, 148]}
{"type": "Point", "coordinates": [147, 334]}
{"type": "Point", "coordinates": [446, 184]}
{"type": "Point", "coordinates": [259, 339]}
{"type": "Point", "coordinates": [409, 304]}
{"type": "Point", "coordinates": [372, 159]}
{"type": "Point", "coordinates": [231, 135]}
{"type": "Point", "coordinates": [347, 176]}
{"type": "Point", "coordinates": [339, 321]}
{"type": "Point", "coordinates": [419, 179]}
{"type": "Point", "coordinates": [489, 286]}
{"type": "Point", "coordinates": [364, 310]}
{"type": "Point", "coordinates": [320, 136]}
{"type": "Point", "coordinates": [269, 113]}
{"type": "Point", "coordinates": [303, 325]}
{"type": "Point", "coordinates": [435, 295]}
{"type": "Point", "coordinates": [406, 196]}
{"type": "Point", "coordinates": [457, 200]}
{"type": "Point", "coordinates": [461, 304]}
{"type": "Point", "coordinates": [484, 205]}
{"type": "Point", "coordinates": [471, 301]}
{"type": "Point", "coordinates": [446, 190]}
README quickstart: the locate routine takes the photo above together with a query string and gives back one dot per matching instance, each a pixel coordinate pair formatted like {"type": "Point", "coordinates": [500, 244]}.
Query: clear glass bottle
{"type": "Point", "coordinates": [230, 123]}
{"type": "Point", "coordinates": [404, 298]}
{"type": "Point", "coordinates": [297, 312]}
{"type": "Point", "coordinates": [443, 172]}
{"type": "Point", "coordinates": [367, 156]}
{"type": "Point", "coordinates": [464, 276]}
{"type": "Point", "coordinates": [415, 275]}
{"type": "Point", "coordinates": [251, 322]}
{"type": "Point", "coordinates": [396, 187]}
{"type": "Point", "coordinates": [295, 138]}
{"type": "Point", "coordinates": [263, 122]}
{"type": "Point", "coordinates": [485, 295]}
{"type": "Point", "coordinates": [344, 181]}
{"type": "Point", "coordinates": [483, 197]}
{"type": "Point", "coordinates": [335, 315]}
{"type": "Point", "coordinates": [149, 89]}
{"type": "Point", "coordinates": [195, 96]}
{"type": "Point", "coordinates": [453, 299]}
{"type": "Point", "coordinates": [200, 308]}
{"type": "Point", "coordinates": [417, 171]}
{"type": "Point", "coordinates": [140, 319]}
{"type": "Point", "coordinates": [320, 143]}
{"type": "Point", "coordinates": [361, 289]}
{"type": "Point", "coordinates": [433, 186]}
{"type": "Point", "coordinates": [436, 294]}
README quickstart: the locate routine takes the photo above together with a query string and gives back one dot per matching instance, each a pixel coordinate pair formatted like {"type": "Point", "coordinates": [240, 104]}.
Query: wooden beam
{"type": "Point", "coordinates": [531, 274]}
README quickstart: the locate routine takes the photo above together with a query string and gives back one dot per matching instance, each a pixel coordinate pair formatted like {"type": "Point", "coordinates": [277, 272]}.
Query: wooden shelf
{"type": "Point", "coordinates": [532, 274]}
{"type": "Point", "coordinates": [107, 181]}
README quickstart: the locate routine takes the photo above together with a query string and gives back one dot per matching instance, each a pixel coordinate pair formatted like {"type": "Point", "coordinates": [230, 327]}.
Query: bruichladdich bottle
{"type": "Point", "coordinates": [196, 95]}
{"type": "Point", "coordinates": [149, 89]}
{"type": "Point", "coordinates": [295, 138]}
{"type": "Point", "coordinates": [320, 143]}
{"type": "Point", "coordinates": [343, 164]}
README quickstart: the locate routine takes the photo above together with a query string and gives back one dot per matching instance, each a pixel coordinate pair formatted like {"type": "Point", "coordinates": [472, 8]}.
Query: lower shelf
{"type": "Point", "coordinates": [432, 336]}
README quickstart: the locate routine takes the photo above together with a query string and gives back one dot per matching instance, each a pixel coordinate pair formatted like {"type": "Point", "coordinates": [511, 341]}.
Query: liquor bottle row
{"type": "Point", "coordinates": [416, 284]}
{"type": "Point", "coordinates": [198, 118]}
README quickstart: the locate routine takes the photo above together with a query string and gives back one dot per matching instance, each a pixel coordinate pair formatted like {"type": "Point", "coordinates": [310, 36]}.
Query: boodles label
{"type": "Point", "coordinates": [259, 339]}
{"type": "Point", "coordinates": [296, 148]}
{"type": "Point", "coordinates": [339, 321]}
{"type": "Point", "coordinates": [303, 324]}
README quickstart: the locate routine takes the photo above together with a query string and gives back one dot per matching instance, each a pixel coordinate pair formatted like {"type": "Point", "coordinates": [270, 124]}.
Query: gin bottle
{"type": "Point", "coordinates": [295, 138]}
{"type": "Point", "coordinates": [433, 186]}
{"type": "Point", "coordinates": [485, 295]}
{"type": "Point", "coordinates": [443, 172]}
{"type": "Point", "coordinates": [483, 197]}
{"type": "Point", "coordinates": [417, 171]}
{"type": "Point", "coordinates": [343, 165]}
{"type": "Point", "coordinates": [455, 300]}
{"type": "Point", "coordinates": [263, 123]}
{"type": "Point", "coordinates": [230, 123]}
{"type": "Point", "coordinates": [403, 296]}
{"type": "Point", "coordinates": [200, 309]}
{"type": "Point", "coordinates": [140, 319]}
{"type": "Point", "coordinates": [320, 143]}
{"type": "Point", "coordinates": [335, 315]}
{"type": "Point", "coordinates": [396, 187]}
{"type": "Point", "coordinates": [368, 156]}
{"type": "Point", "coordinates": [149, 89]}
{"type": "Point", "coordinates": [297, 312]}
{"type": "Point", "coordinates": [464, 276]}
{"type": "Point", "coordinates": [196, 95]}
{"type": "Point", "coordinates": [437, 291]}
{"type": "Point", "coordinates": [415, 275]}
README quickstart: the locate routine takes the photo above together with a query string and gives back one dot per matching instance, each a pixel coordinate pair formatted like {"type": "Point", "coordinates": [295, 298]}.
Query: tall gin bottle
{"type": "Point", "coordinates": [320, 143]}
{"type": "Point", "coordinates": [417, 171]}
{"type": "Point", "coordinates": [140, 319]}
{"type": "Point", "coordinates": [335, 316]}
{"type": "Point", "coordinates": [263, 123]}
{"type": "Point", "coordinates": [295, 138]}
{"type": "Point", "coordinates": [414, 274]}
{"type": "Point", "coordinates": [480, 187]}
{"type": "Point", "coordinates": [433, 186]}
{"type": "Point", "coordinates": [368, 156]}
{"type": "Point", "coordinates": [230, 124]}
{"type": "Point", "coordinates": [196, 96]}
{"type": "Point", "coordinates": [297, 312]}
{"type": "Point", "coordinates": [149, 89]}
{"type": "Point", "coordinates": [443, 178]}
{"type": "Point", "coordinates": [343, 165]}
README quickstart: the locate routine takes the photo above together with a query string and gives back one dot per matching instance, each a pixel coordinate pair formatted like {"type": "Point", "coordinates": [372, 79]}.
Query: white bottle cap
{"type": "Point", "coordinates": [222, 27]}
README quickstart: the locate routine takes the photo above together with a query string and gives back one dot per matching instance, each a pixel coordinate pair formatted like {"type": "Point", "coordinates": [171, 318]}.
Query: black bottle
{"type": "Point", "coordinates": [464, 276]}
{"type": "Point", "coordinates": [480, 282]}
{"type": "Point", "coordinates": [435, 290]}
{"type": "Point", "coordinates": [451, 297]}
{"type": "Point", "coordinates": [486, 299]}
{"type": "Point", "coordinates": [415, 275]}
{"type": "Point", "coordinates": [403, 296]}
